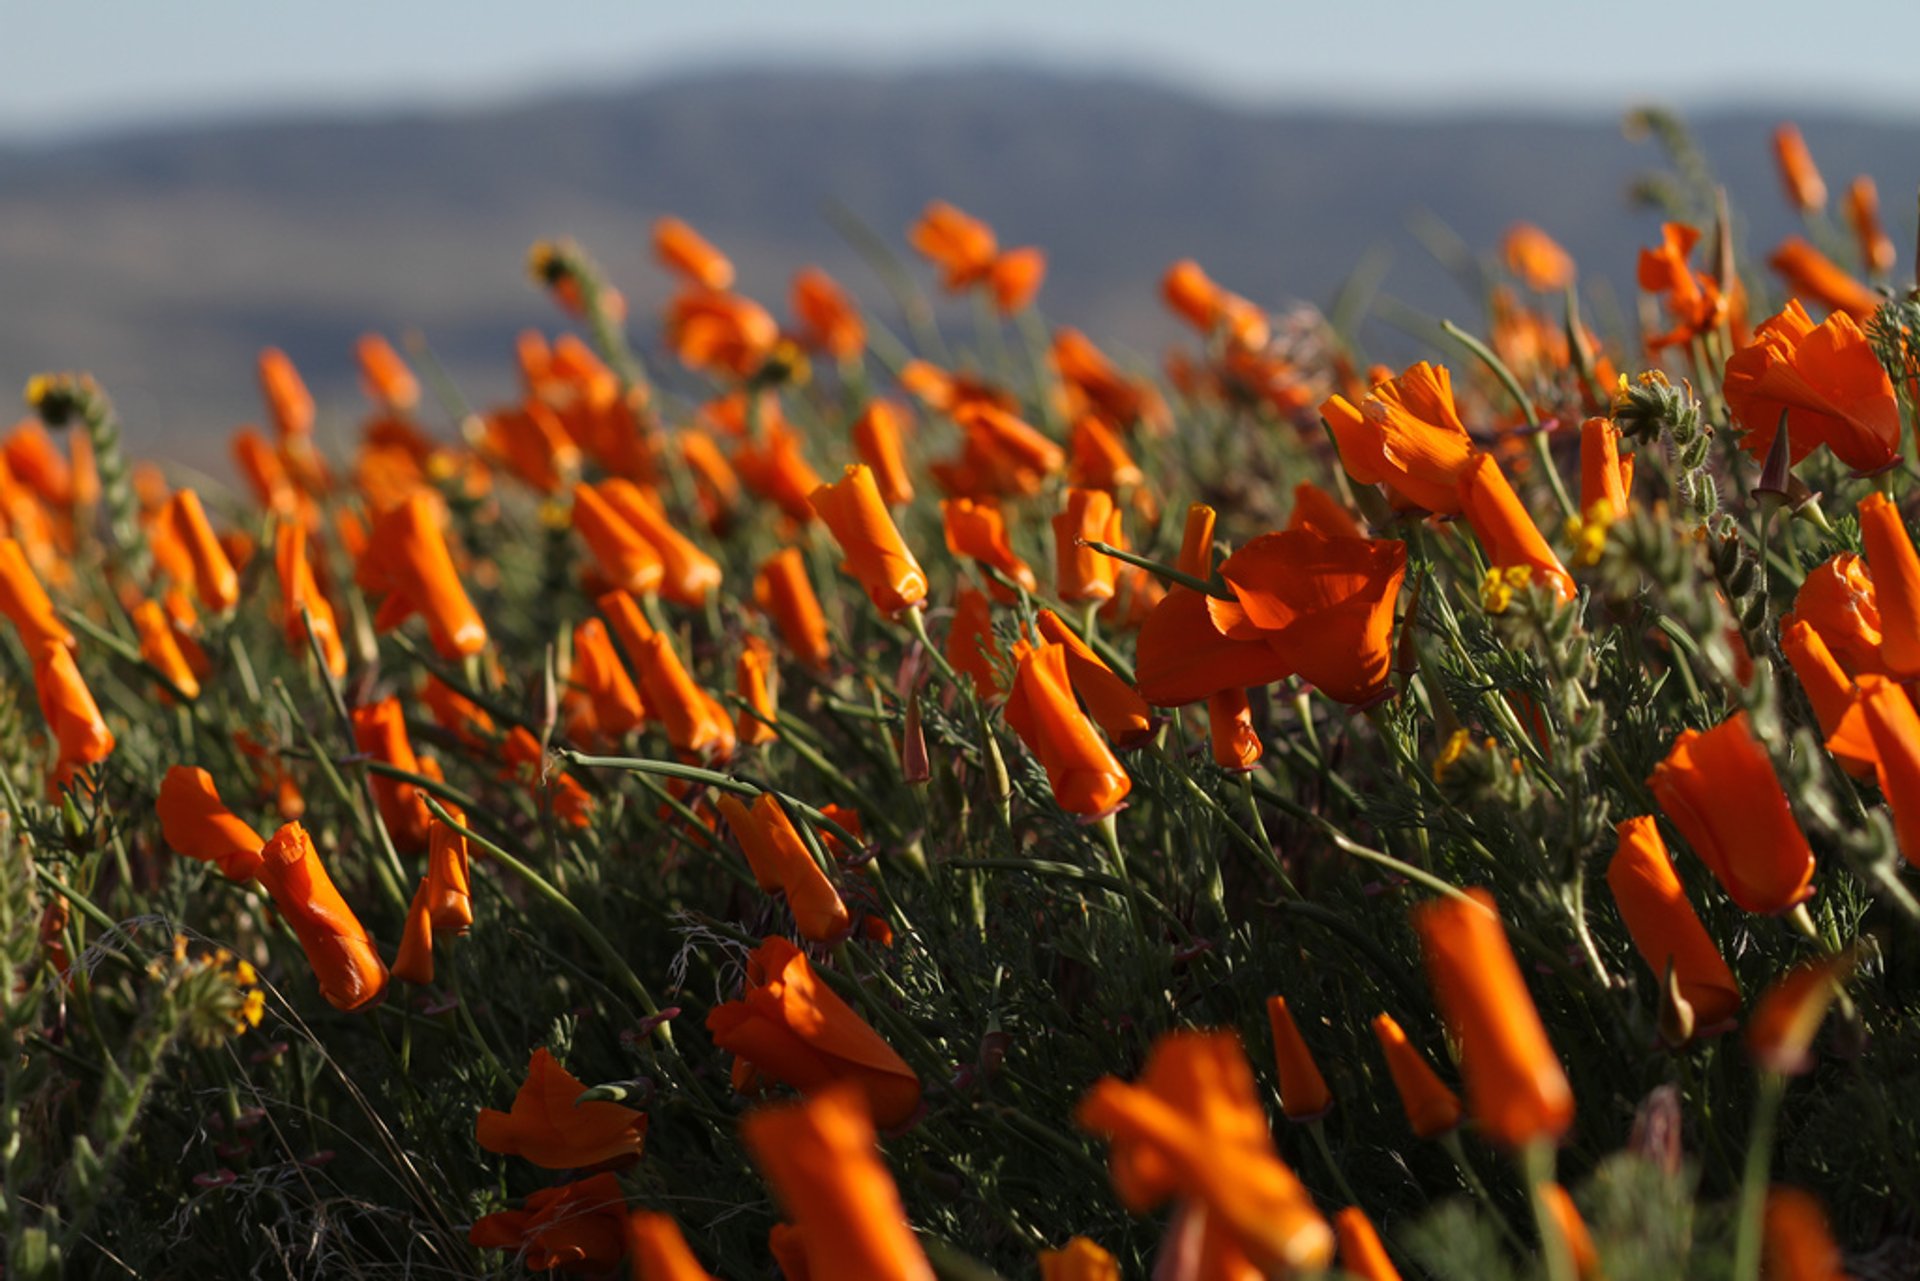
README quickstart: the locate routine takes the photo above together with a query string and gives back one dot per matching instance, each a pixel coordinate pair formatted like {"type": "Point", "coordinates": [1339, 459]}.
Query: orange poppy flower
{"type": "Point", "coordinates": [1408, 436]}
{"type": "Point", "coordinates": [1078, 1260]}
{"type": "Point", "coordinates": [413, 963]}
{"type": "Point", "coordinates": [342, 954]}
{"type": "Point", "coordinates": [299, 589]}
{"type": "Point", "coordinates": [1080, 572]}
{"type": "Point", "coordinates": [1863, 215]}
{"type": "Point", "coordinates": [406, 561]}
{"type": "Point", "coordinates": [1505, 528]}
{"type": "Point", "coordinates": [1720, 790]}
{"type": "Point", "coordinates": [789, 1027]}
{"type": "Point", "coordinates": [1881, 727]}
{"type": "Point", "coordinates": [1837, 600]}
{"type": "Point", "coordinates": [1805, 187]}
{"type": "Point", "coordinates": [1695, 304]}
{"type": "Point", "coordinates": [73, 718]}
{"type": "Point", "coordinates": [963, 247]}
{"type": "Point", "coordinates": [384, 376]}
{"type": "Point", "coordinates": [1796, 1243]}
{"type": "Point", "coordinates": [686, 253]}
{"type": "Point", "coordinates": [1812, 274]}
{"type": "Point", "coordinates": [971, 647]}
{"type": "Point", "coordinates": [1192, 1127]}
{"type": "Point", "coordinates": [1788, 1015]}
{"type": "Point", "coordinates": [947, 392]}
{"type": "Point", "coordinates": [1896, 584]}
{"type": "Point", "coordinates": [1432, 1109]}
{"type": "Point", "coordinates": [604, 704]}
{"type": "Point", "coordinates": [720, 332]}
{"type": "Point", "coordinates": [695, 722]}
{"type": "Point", "coordinates": [576, 1227]}
{"type": "Point", "coordinates": [159, 648]}
{"type": "Point", "coordinates": [1015, 278]}
{"type": "Point", "coordinates": [289, 403]}
{"type": "Point", "coordinates": [36, 462]}
{"type": "Point", "coordinates": [859, 521]}
{"type": "Point", "coordinates": [549, 1128]}
{"type": "Point", "coordinates": [713, 476]}
{"type": "Point", "coordinates": [1087, 779]}
{"type": "Point", "coordinates": [789, 1252]}
{"type": "Point", "coordinates": [1097, 459]}
{"type": "Point", "coordinates": [459, 715]}
{"type": "Point", "coordinates": [1123, 716]}
{"type": "Point", "coordinates": [1195, 298]}
{"type": "Point", "coordinates": [1573, 1231]}
{"type": "Point", "coordinates": [828, 322]}
{"type": "Point", "coordinates": [1605, 477]}
{"type": "Point", "coordinates": [876, 440]}
{"type": "Point", "coordinates": [690, 574]}
{"type": "Point", "coordinates": [556, 790]}
{"type": "Point", "coordinates": [380, 732]}
{"type": "Point", "coordinates": [26, 604]}
{"type": "Point", "coordinates": [1015, 455]}
{"type": "Point", "coordinates": [1315, 509]}
{"type": "Point", "coordinates": [1362, 1255]}
{"type": "Point", "coordinates": [198, 825]}
{"type": "Point", "coordinates": [1515, 1085]}
{"type": "Point", "coordinates": [1097, 389]}
{"type": "Point", "coordinates": [184, 521]}
{"type": "Point", "coordinates": [27, 520]}
{"type": "Point", "coordinates": [449, 877]}
{"type": "Point", "coordinates": [1536, 258]}
{"type": "Point", "coordinates": [531, 441]}
{"type": "Point", "coordinates": [658, 1251]}
{"type": "Point", "coordinates": [780, 862]}
{"type": "Point", "coordinates": [821, 1158]}
{"type": "Point", "coordinates": [1827, 381]}
{"type": "Point", "coordinates": [977, 530]}
{"type": "Point", "coordinates": [1827, 684]}
{"type": "Point", "coordinates": [1230, 732]}
{"type": "Point", "coordinates": [751, 674]}
{"type": "Point", "coordinates": [775, 469]}
{"type": "Point", "coordinates": [784, 593]}
{"type": "Point", "coordinates": [625, 557]}
{"type": "Point", "coordinates": [1303, 1091]}
{"type": "Point", "coordinates": [1665, 930]}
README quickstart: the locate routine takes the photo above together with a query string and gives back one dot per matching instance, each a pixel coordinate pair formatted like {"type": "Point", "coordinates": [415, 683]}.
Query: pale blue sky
{"type": "Point", "coordinates": [85, 64]}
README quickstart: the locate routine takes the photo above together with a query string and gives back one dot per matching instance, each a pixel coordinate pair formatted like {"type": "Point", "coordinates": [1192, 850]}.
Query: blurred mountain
{"type": "Point", "coordinates": [163, 260]}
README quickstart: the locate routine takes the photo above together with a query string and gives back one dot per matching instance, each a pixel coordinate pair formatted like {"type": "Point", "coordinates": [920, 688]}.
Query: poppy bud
{"type": "Point", "coordinates": [876, 555]}
{"type": "Point", "coordinates": [877, 440]}
{"type": "Point", "coordinates": [342, 954]}
{"type": "Point", "coordinates": [1086, 777]}
{"type": "Point", "coordinates": [414, 963]}
{"type": "Point", "coordinates": [25, 602]}
{"type": "Point", "coordinates": [1665, 930]}
{"type": "Point", "coordinates": [1303, 1091]}
{"type": "Point", "coordinates": [197, 824]}
{"type": "Point", "coordinates": [1082, 573]}
{"type": "Point", "coordinates": [1361, 1253]}
{"type": "Point", "coordinates": [1432, 1109]}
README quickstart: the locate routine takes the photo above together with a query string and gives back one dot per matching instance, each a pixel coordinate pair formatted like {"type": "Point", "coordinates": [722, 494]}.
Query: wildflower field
{"type": "Point", "coordinates": [820, 797]}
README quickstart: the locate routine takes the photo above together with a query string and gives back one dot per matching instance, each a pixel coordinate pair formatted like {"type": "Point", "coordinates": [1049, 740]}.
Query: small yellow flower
{"type": "Point", "coordinates": [1456, 747]}
{"type": "Point", "coordinates": [1495, 595]}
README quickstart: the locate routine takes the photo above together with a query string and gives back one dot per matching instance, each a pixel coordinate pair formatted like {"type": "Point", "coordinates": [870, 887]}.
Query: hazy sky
{"type": "Point", "coordinates": [84, 64]}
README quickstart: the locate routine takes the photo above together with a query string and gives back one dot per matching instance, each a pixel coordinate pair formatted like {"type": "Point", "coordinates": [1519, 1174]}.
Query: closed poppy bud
{"type": "Point", "coordinates": [414, 962]}
{"type": "Point", "coordinates": [1826, 381]}
{"type": "Point", "coordinates": [1303, 1091]}
{"type": "Point", "coordinates": [775, 469]}
{"type": "Point", "coordinates": [1015, 278]}
{"type": "Point", "coordinates": [1408, 436]}
{"type": "Point", "coordinates": [1605, 477]}
{"type": "Point", "coordinates": [1532, 255]}
{"type": "Point", "coordinates": [384, 376]}
{"type": "Point", "coordinates": [1788, 1014]}
{"type": "Point", "coordinates": [449, 885]}
{"type": "Point", "coordinates": [380, 732]}
{"type": "Point", "coordinates": [1361, 1253]}
{"type": "Point", "coordinates": [859, 521]}
{"type": "Point", "coordinates": [625, 558]}
{"type": "Point", "coordinates": [1236, 744]}
{"type": "Point", "coordinates": [1838, 601]}
{"type": "Point", "coordinates": [695, 723]}
{"type": "Point", "coordinates": [1828, 688]}
{"type": "Point", "coordinates": [963, 247]}
{"type": "Point", "coordinates": [577, 1227]}
{"type": "Point", "coordinates": [683, 251]}
{"type": "Point", "coordinates": [1083, 574]}
{"type": "Point", "coordinates": [790, 1027]}
{"type": "Point", "coordinates": [72, 717]}
{"type": "Point", "coordinates": [31, 458]}
{"type": "Point", "coordinates": [877, 440]}
{"type": "Point", "coordinates": [1086, 777]}
{"type": "Point", "coordinates": [457, 714]}
{"type": "Point", "coordinates": [1206, 306]}
{"type": "Point", "coordinates": [751, 676]}
{"type": "Point", "coordinates": [1896, 583]}
{"type": "Point", "coordinates": [1805, 187]}
{"type": "Point", "coordinates": [344, 960]}
{"type": "Point", "coordinates": [549, 1127]}
{"type": "Point", "coordinates": [972, 648]}
{"type": "Point", "coordinates": [1432, 1109]}
{"type": "Point", "coordinates": [978, 531]}
{"type": "Point", "coordinates": [198, 825]}
{"type": "Point", "coordinates": [1078, 1260]}
{"type": "Point", "coordinates": [299, 590]}
{"type": "Point", "coordinates": [1720, 790]}
{"type": "Point", "coordinates": [828, 322]}
{"type": "Point", "coordinates": [720, 332]}
{"type": "Point", "coordinates": [1516, 1086]}
{"type": "Point", "coordinates": [159, 648]}
{"type": "Point", "coordinates": [406, 560]}
{"type": "Point", "coordinates": [1505, 528]}
{"type": "Point", "coordinates": [780, 861]}
{"type": "Point", "coordinates": [783, 591]}
{"type": "Point", "coordinates": [1863, 215]}
{"type": "Point", "coordinates": [1796, 1242]}
{"type": "Point", "coordinates": [289, 403]}
{"type": "Point", "coordinates": [689, 572]}
{"type": "Point", "coordinates": [1009, 443]}
{"type": "Point", "coordinates": [26, 604]}
{"type": "Point", "coordinates": [1572, 1229]}
{"type": "Point", "coordinates": [658, 1252]}
{"type": "Point", "coordinates": [1665, 930]}
{"type": "Point", "coordinates": [1811, 274]}
{"type": "Point", "coordinates": [1116, 707]}
{"type": "Point", "coordinates": [260, 466]}
{"type": "Point", "coordinates": [607, 705]}
{"type": "Point", "coordinates": [1097, 459]}
{"type": "Point", "coordinates": [531, 441]}
{"type": "Point", "coordinates": [214, 579]}
{"type": "Point", "coordinates": [1881, 727]}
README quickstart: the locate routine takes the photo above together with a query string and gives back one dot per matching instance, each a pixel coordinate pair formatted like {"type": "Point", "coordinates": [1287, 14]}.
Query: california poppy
{"type": "Point", "coordinates": [406, 561]}
{"type": "Point", "coordinates": [1536, 258]}
{"type": "Point", "coordinates": [380, 732]}
{"type": "Point", "coordinates": [159, 648]}
{"type": "Point", "coordinates": [1123, 716]}
{"type": "Point", "coordinates": [1303, 1091]}
{"type": "Point", "coordinates": [605, 705]}
{"type": "Point", "coordinates": [73, 718]}
{"type": "Point", "coordinates": [978, 531]}
{"type": "Point", "coordinates": [689, 573]}
{"type": "Point", "coordinates": [781, 862]}
{"type": "Point", "coordinates": [384, 376]}
{"type": "Point", "coordinates": [720, 332]}
{"type": "Point", "coordinates": [1016, 456]}
{"type": "Point", "coordinates": [1078, 1260]}
{"type": "Point", "coordinates": [289, 403]}
{"type": "Point", "coordinates": [1192, 1127]}
{"type": "Point", "coordinates": [413, 963]}
{"type": "Point", "coordinates": [1720, 790]}
{"type": "Point", "coordinates": [1882, 727]}
{"type": "Point", "coordinates": [449, 885]}
{"type": "Point", "coordinates": [1896, 583]}
{"type": "Point", "coordinates": [828, 322]}
{"type": "Point", "coordinates": [1605, 477]}
{"type": "Point", "coordinates": [1432, 1109]}
{"type": "Point", "coordinates": [1408, 436]}
{"type": "Point", "coordinates": [695, 722]}
{"type": "Point", "coordinates": [1195, 298]}
{"type": "Point", "coordinates": [1695, 304]}
{"type": "Point", "coordinates": [1097, 459]}
{"type": "Point", "coordinates": [1825, 379]}
{"type": "Point", "coordinates": [971, 646]}
{"type": "Point", "coordinates": [714, 478]}
{"type": "Point", "coordinates": [196, 823]}
{"type": "Point", "coordinates": [683, 251]}
{"type": "Point", "coordinates": [338, 947]}
{"type": "Point", "coordinates": [30, 457]}
{"type": "Point", "coordinates": [1505, 528]}
{"type": "Point", "coordinates": [753, 675]}
{"type": "Point", "coordinates": [556, 790]}
{"type": "Point", "coordinates": [531, 441]}
{"type": "Point", "coordinates": [1097, 390]}
{"type": "Point", "coordinates": [775, 468]}
{"type": "Point", "coordinates": [1838, 601]}
{"type": "Point", "coordinates": [626, 558]}
{"type": "Point", "coordinates": [789, 1026]}
{"type": "Point", "coordinates": [1665, 930]}
{"type": "Point", "coordinates": [1787, 1017]}
{"type": "Point", "coordinates": [1516, 1086]}
{"type": "Point", "coordinates": [877, 440]}
{"type": "Point", "coordinates": [1812, 274]}
{"type": "Point", "coordinates": [821, 1158]}
{"type": "Point", "coordinates": [1805, 188]}
{"type": "Point", "coordinates": [1573, 1230]}
{"type": "Point", "coordinates": [1863, 215]}
{"type": "Point", "coordinates": [1235, 742]}
{"type": "Point", "coordinates": [26, 604]}
{"type": "Point", "coordinates": [300, 590]}
{"type": "Point", "coordinates": [1083, 573]}
{"type": "Point", "coordinates": [1015, 277]}
{"type": "Point", "coordinates": [550, 1128]}
{"type": "Point", "coordinates": [576, 1227]}
{"type": "Point", "coordinates": [1087, 779]}
{"type": "Point", "coordinates": [783, 591]}
{"type": "Point", "coordinates": [1362, 1255]}
{"type": "Point", "coordinates": [658, 1252]}
{"type": "Point", "coordinates": [184, 521]}
{"type": "Point", "coordinates": [854, 513]}
{"type": "Point", "coordinates": [1797, 1244]}
{"type": "Point", "coordinates": [459, 715]}
{"type": "Point", "coordinates": [962, 246]}
{"type": "Point", "coordinates": [1827, 685]}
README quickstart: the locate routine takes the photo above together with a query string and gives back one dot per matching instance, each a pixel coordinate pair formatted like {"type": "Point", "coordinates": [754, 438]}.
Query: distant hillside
{"type": "Point", "coordinates": [162, 261]}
